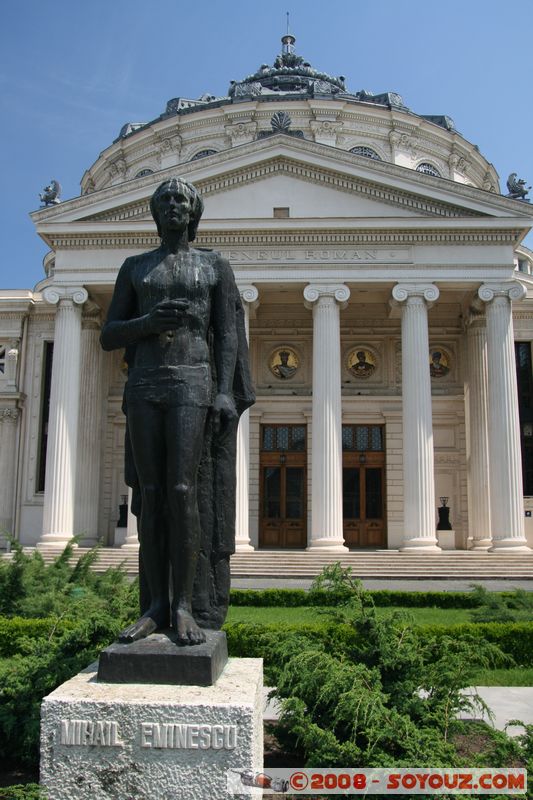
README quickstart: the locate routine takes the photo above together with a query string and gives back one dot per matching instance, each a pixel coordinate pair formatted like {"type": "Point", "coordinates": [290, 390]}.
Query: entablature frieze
{"type": "Point", "coordinates": [262, 239]}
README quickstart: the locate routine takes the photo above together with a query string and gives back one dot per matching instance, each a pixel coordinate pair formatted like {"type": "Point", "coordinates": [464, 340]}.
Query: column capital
{"type": "Point", "coordinates": [248, 292]}
{"type": "Point", "coordinates": [405, 291]}
{"type": "Point", "coordinates": [250, 297]}
{"type": "Point", "coordinates": [512, 290]}
{"type": "Point", "coordinates": [316, 291]}
{"type": "Point", "coordinates": [53, 294]}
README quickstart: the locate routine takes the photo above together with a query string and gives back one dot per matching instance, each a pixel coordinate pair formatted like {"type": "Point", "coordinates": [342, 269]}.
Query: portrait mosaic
{"type": "Point", "coordinates": [439, 363]}
{"type": "Point", "coordinates": [284, 363]}
{"type": "Point", "coordinates": [361, 363]}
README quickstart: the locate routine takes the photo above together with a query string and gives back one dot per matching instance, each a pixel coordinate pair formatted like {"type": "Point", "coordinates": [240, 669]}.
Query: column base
{"type": "Point", "coordinates": [420, 545]}
{"type": "Point", "coordinates": [244, 546]}
{"type": "Point", "coordinates": [328, 545]}
{"type": "Point", "coordinates": [479, 544]}
{"type": "Point", "coordinates": [509, 545]}
{"type": "Point", "coordinates": [88, 541]}
{"type": "Point", "coordinates": [56, 541]}
{"type": "Point", "coordinates": [133, 545]}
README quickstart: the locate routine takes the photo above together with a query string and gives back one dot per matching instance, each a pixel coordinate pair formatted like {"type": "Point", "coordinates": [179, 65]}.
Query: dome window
{"type": "Point", "coordinates": [366, 152]}
{"type": "Point", "coordinates": [2, 359]}
{"type": "Point", "coordinates": [203, 154]}
{"type": "Point", "coordinates": [144, 172]}
{"type": "Point", "coordinates": [428, 169]}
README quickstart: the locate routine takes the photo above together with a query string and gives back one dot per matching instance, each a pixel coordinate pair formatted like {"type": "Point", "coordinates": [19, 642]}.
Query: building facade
{"type": "Point", "coordinates": [389, 304]}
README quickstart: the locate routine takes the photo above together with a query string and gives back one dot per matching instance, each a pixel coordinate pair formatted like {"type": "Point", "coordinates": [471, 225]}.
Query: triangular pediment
{"type": "Point", "coordinates": [308, 191]}
{"type": "Point", "coordinates": [313, 181]}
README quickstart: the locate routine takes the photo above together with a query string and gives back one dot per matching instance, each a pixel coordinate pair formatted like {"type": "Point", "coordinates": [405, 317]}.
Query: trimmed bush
{"type": "Point", "coordinates": [291, 598]}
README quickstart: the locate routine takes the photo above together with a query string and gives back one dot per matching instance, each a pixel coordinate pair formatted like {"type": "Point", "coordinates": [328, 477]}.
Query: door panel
{"type": "Point", "coordinates": [363, 487]}
{"type": "Point", "coordinates": [283, 520]}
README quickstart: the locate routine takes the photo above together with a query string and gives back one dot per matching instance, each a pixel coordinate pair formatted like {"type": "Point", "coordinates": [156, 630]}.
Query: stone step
{"type": "Point", "coordinates": [374, 564]}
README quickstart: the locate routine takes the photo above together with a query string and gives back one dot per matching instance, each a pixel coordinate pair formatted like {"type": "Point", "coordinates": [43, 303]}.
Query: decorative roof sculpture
{"type": "Point", "coordinates": [51, 194]}
{"type": "Point", "coordinates": [517, 188]}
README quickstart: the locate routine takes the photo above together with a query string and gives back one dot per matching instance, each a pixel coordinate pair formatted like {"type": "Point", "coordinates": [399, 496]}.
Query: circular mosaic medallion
{"type": "Point", "coordinates": [439, 363]}
{"type": "Point", "coordinates": [284, 363]}
{"type": "Point", "coordinates": [361, 363]}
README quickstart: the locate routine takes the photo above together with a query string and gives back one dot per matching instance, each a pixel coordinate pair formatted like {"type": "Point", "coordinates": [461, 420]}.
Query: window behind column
{"type": "Point", "coordinates": [48, 352]}
{"type": "Point", "coordinates": [524, 375]}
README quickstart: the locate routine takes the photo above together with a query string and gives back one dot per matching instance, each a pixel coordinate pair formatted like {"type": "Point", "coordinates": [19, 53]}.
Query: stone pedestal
{"type": "Point", "coordinates": [104, 741]}
{"type": "Point", "coordinates": [131, 540]}
{"type": "Point", "coordinates": [446, 540]}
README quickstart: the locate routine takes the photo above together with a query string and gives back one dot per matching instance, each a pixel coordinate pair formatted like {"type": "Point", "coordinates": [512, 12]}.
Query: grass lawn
{"type": "Point", "coordinates": [311, 614]}
{"type": "Point", "coordinates": [514, 676]}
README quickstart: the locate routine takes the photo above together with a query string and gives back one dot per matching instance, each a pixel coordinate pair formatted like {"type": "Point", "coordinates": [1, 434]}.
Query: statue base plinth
{"type": "Point", "coordinates": [158, 659]}
{"type": "Point", "coordinates": [104, 741]}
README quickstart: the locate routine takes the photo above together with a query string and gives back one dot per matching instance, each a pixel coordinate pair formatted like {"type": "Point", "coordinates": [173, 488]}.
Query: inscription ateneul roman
{"type": "Point", "coordinates": [338, 255]}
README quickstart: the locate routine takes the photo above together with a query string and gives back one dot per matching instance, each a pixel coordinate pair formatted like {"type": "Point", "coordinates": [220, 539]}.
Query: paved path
{"type": "Point", "coordinates": [505, 702]}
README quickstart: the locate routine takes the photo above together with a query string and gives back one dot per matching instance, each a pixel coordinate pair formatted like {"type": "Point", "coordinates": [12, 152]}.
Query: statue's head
{"type": "Point", "coordinates": [197, 205]}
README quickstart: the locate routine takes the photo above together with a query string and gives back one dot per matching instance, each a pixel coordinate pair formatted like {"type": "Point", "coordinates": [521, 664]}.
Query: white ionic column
{"type": "Point", "coordinates": [477, 433]}
{"type": "Point", "coordinates": [326, 456]}
{"type": "Point", "coordinates": [507, 494]}
{"type": "Point", "coordinates": [60, 481]}
{"type": "Point", "coordinates": [89, 430]}
{"type": "Point", "coordinates": [8, 467]}
{"type": "Point", "coordinates": [131, 541]}
{"type": "Point", "coordinates": [418, 470]}
{"type": "Point", "coordinates": [250, 301]}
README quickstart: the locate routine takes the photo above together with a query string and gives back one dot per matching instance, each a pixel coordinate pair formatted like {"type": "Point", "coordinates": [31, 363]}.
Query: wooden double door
{"type": "Point", "coordinates": [283, 486]}
{"type": "Point", "coordinates": [283, 492]}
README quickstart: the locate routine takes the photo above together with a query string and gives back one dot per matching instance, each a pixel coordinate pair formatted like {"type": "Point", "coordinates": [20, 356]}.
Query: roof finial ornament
{"type": "Point", "coordinates": [288, 41]}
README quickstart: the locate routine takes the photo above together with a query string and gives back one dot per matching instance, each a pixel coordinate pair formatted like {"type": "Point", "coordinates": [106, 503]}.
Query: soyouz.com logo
{"type": "Point", "coordinates": [380, 781]}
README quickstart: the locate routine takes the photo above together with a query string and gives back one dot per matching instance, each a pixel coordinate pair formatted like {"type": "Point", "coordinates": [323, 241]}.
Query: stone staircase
{"type": "Point", "coordinates": [458, 564]}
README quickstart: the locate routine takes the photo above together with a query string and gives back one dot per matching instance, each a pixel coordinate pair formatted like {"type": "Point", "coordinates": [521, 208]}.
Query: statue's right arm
{"type": "Point", "coordinates": [122, 327]}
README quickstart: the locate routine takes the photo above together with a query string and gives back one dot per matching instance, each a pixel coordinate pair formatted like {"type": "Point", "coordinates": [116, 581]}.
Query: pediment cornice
{"type": "Point", "coordinates": [310, 161]}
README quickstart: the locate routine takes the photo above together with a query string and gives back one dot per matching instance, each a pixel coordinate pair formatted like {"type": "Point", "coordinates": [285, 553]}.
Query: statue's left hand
{"type": "Point", "coordinates": [224, 410]}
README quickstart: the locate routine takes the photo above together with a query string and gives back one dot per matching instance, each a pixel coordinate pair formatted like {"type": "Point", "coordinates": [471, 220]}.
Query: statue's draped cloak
{"type": "Point", "coordinates": [216, 487]}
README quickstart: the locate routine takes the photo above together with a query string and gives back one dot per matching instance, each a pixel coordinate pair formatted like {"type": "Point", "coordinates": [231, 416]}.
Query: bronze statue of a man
{"type": "Point", "coordinates": [178, 313]}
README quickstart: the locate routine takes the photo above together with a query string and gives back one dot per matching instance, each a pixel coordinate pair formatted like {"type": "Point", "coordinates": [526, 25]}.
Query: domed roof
{"type": "Point", "coordinates": [289, 77]}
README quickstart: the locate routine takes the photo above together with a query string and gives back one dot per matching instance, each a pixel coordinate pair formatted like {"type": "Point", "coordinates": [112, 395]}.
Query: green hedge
{"type": "Point", "coordinates": [514, 638]}
{"type": "Point", "coordinates": [381, 597]}
{"type": "Point", "coordinates": [28, 791]}
{"type": "Point", "coordinates": [14, 630]}
{"type": "Point", "coordinates": [247, 640]}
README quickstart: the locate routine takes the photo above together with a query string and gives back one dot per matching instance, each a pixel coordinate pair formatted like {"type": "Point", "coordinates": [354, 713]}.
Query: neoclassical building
{"type": "Point", "coordinates": [389, 304]}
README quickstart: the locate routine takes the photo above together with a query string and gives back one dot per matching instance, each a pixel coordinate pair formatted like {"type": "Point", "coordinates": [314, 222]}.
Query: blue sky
{"type": "Point", "coordinates": [72, 72]}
